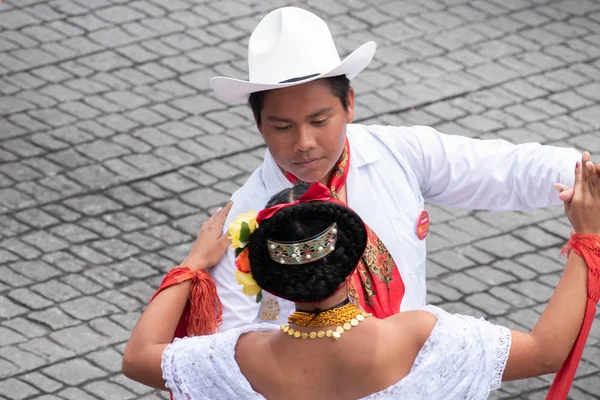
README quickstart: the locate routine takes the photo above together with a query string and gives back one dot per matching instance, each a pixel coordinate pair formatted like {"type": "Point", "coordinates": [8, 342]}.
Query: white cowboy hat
{"type": "Point", "coordinates": [291, 46]}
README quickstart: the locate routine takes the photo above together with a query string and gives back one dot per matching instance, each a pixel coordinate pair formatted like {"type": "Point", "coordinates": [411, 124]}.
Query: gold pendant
{"type": "Point", "coordinates": [269, 308]}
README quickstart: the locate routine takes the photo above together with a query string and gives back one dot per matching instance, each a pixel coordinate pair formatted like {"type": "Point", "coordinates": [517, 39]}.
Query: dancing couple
{"type": "Point", "coordinates": [323, 293]}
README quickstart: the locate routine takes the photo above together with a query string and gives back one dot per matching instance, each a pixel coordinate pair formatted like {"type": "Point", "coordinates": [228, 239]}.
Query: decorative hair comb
{"type": "Point", "coordinates": [312, 249]}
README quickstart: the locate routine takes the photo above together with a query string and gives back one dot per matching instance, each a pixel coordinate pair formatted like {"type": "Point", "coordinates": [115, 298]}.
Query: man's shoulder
{"type": "Point", "coordinates": [387, 131]}
{"type": "Point", "coordinates": [401, 141]}
{"type": "Point", "coordinates": [253, 188]}
{"type": "Point", "coordinates": [253, 194]}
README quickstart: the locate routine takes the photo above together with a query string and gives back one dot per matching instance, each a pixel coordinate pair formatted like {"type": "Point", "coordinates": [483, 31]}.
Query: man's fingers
{"type": "Point", "coordinates": [560, 187]}
{"type": "Point", "coordinates": [566, 194]}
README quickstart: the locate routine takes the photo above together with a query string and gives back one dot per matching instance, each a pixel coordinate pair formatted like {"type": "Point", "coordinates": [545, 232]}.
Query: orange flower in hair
{"type": "Point", "coordinates": [244, 277]}
{"type": "Point", "coordinates": [239, 233]}
{"type": "Point", "coordinates": [242, 262]}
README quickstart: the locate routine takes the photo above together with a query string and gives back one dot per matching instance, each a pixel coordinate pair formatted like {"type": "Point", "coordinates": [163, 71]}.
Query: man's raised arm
{"type": "Point", "coordinates": [478, 174]}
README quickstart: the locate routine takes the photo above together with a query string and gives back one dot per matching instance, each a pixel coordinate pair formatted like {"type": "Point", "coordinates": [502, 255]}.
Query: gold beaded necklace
{"type": "Point", "coordinates": [345, 317]}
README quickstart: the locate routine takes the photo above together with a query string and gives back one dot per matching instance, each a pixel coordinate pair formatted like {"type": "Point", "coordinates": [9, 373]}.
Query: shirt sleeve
{"type": "Point", "coordinates": [464, 356]}
{"type": "Point", "coordinates": [478, 174]}
{"type": "Point", "coordinates": [186, 368]}
{"type": "Point", "coordinates": [204, 367]}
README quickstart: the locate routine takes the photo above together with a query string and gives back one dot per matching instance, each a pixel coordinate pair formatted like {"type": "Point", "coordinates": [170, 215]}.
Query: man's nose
{"type": "Point", "coordinates": [305, 140]}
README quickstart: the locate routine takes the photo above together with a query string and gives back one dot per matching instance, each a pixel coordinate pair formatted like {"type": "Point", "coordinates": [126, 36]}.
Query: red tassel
{"type": "Point", "coordinates": [588, 247]}
{"type": "Point", "coordinates": [206, 310]}
{"type": "Point", "coordinates": [203, 313]}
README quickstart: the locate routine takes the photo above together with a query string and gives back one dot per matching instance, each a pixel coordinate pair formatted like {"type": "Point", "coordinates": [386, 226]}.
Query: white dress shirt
{"type": "Point", "coordinates": [393, 170]}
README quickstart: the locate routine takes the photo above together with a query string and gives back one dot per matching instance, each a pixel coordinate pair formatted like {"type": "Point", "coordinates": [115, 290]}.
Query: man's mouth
{"type": "Point", "coordinates": [307, 163]}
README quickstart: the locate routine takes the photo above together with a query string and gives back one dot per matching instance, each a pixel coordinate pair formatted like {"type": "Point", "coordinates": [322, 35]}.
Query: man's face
{"type": "Point", "coordinates": [304, 127]}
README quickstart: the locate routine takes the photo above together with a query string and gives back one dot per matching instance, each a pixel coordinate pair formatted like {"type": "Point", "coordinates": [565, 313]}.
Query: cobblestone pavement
{"type": "Point", "coordinates": [113, 151]}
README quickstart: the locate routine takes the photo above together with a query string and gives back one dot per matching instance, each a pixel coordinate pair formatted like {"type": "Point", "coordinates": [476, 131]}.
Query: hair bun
{"type": "Point", "coordinates": [313, 281]}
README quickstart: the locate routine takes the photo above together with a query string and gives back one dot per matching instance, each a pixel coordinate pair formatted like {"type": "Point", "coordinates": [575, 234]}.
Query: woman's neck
{"type": "Point", "coordinates": [331, 302]}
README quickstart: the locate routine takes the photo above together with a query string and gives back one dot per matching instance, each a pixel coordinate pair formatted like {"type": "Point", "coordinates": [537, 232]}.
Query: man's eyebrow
{"type": "Point", "coordinates": [320, 112]}
{"type": "Point", "coordinates": [279, 119]}
{"type": "Point", "coordinates": [310, 116]}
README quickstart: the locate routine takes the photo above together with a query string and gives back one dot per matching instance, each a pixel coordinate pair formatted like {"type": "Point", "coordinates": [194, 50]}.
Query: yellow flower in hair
{"type": "Point", "coordinates": [249, 285]}
{"type": "Point", "coordinates": [241, 228]}
{"type": "Point", "coordinates": [234, 234]}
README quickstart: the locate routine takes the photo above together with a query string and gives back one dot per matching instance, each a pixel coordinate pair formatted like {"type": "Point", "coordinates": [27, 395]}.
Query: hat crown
{"type": "Point", "coordinates": [290, 43]}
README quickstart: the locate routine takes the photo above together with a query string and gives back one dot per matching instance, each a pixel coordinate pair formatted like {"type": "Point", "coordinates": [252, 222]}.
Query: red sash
{"type": "Point", "coordinates": [588, 247]}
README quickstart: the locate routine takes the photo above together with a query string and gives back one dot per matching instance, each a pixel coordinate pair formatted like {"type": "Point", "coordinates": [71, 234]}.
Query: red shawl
{"type": "Point", "coordinates": [588, 247]}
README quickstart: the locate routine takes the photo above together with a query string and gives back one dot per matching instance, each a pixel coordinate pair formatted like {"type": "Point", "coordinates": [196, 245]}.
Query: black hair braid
{"type": "Point", "coordinates": [316, 280]}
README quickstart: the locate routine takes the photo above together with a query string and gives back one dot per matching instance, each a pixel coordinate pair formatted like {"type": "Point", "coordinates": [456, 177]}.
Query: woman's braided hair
{"type": "Point", "coordinates": [317, 280]}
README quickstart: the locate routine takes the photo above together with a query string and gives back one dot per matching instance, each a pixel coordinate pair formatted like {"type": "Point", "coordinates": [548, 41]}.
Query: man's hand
{"type": "Point", "coordinates": [211, 244]}
{"type": "Point", "coordinates": [565, 192]}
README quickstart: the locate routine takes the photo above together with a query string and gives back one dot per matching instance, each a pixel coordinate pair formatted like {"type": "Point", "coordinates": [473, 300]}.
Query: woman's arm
{"type": "Point", "coordinates": [155, 328]}
{"type": "Point", "coordinates": [547, 346]}
{"type": "Point", "coordinates": [153, 332]}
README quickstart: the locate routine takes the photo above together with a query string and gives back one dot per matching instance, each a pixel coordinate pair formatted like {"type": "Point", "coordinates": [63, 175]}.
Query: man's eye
{"type": "Point", "coordinates": [320, 122]}
{"type": "Point", "coordinates": [282, 128]}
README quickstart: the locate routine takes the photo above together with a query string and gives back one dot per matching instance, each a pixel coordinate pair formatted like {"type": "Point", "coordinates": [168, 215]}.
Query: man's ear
{"type": "Point", "coordinates": [350, 113]}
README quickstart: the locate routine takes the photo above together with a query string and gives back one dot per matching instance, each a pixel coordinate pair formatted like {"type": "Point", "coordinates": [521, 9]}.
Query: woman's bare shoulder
{"type": "Point", "coordinates": [416, 323]}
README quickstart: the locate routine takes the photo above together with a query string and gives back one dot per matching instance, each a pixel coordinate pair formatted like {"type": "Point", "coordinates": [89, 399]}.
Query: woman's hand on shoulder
{"type": "Point", "coordinates": [211, 244]}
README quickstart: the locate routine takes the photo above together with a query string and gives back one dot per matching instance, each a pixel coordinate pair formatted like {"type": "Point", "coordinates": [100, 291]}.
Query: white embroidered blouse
{"type": "Point", "coordinates": [463, 358]}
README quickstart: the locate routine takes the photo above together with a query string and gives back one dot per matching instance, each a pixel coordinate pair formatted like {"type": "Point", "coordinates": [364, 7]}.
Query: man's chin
{"type": "Point", "coordinates": [309, 177]}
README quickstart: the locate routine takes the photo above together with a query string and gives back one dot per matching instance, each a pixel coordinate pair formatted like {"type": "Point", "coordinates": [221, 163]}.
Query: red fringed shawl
{"type": "Point", "coordinates": [588, 247]}
{"type": "Point", "coordinates": [203, 313]}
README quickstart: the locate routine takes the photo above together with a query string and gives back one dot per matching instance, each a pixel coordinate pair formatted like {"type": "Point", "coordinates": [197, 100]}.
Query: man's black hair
{"type": "Point", "coordinates": [339, 86]}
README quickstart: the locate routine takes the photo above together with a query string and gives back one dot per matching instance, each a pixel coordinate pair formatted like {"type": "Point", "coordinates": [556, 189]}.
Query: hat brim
{"type": "Point", "coordinates": [233, 90]}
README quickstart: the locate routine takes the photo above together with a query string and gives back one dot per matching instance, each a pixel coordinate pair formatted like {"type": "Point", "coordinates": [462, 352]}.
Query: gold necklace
{"type": "Point", "coordinates": [334, 316]}
{"type": "Point", "coordinates": [345, 317]}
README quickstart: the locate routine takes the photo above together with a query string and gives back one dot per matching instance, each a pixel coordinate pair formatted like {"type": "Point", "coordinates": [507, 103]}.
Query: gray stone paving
{"type": "Point", "coordinates": [113, 151]}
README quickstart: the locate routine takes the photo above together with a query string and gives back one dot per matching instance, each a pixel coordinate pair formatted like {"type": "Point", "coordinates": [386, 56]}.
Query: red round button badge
{"type": "Point", "coordinates": [423, 225]}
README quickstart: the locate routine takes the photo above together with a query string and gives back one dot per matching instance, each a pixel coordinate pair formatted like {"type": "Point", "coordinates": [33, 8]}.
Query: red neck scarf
{"type": "Point", "coordinates": [375, 283]}
{"type": "Point", "coordinates": [588, 247]}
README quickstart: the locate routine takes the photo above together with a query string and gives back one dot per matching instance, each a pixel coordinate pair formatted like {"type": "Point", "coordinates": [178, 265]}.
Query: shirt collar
{"type": "Point", "coordinates": [362, 151]}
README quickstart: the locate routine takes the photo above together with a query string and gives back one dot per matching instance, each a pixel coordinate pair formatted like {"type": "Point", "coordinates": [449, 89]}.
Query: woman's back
{"type": "Point", "coordinates": [420, 354]}
{"type": "Point", "coordinates": [370, 358]}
